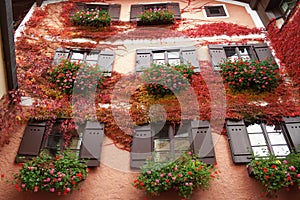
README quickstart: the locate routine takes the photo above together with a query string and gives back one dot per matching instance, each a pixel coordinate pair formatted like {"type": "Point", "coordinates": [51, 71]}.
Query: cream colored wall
{"type": "Point", "coordinates": [3, 84]}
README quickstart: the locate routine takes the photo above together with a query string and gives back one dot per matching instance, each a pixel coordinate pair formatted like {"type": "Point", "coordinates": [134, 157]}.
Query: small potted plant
{"type": "Point", "coordinates": [156, 17]}
{"type": "Point", "coordinates": [91, 18]}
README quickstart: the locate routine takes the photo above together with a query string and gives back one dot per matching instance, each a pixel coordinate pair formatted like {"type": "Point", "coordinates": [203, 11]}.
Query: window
{"type": "Point", "coordinates": [219, 53]}
{"type": "Point", "coordinates": [172, 56]}
{"type": "Point", "coordinates": [287, 6]}
{"type": "Point", "coordinates": [163, 140]}
{"type": "Point", "coordinates": [102, 58]}
{"type": "Point", "coordinates": [215, 11]}
{"type": "Point", "coordinates": [113, 9]}
{"type": "Point", "coordinates": [138, 9]}
{"type": "Point", "coordinates": [262, 139]}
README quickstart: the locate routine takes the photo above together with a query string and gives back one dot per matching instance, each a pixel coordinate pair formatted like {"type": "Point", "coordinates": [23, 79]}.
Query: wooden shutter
{"type": "Point", "coordinates": [114, 11]}
{"type": "Point", "coordinates": [135, 11]}
{"type": "Point", "coordinates": [292, 125]}
{"type": "Point", "coordinates": [217, 55]}
{"type": "Point", "coordinates": [189, 55]}
{"type": "Point", "coordinates": [263, 52]}
{"type": "Point", "coordinates": [106, 60]}
{"type": "Point", "coordinates": [91, 145]}
{"type": "Point", "coordinates": [239, 141]}
{"type": "Point", "coordinates": [60, 53]}
{"type": "Point", "coordinates": [143, 59]}
{"type": "Point", "coordinates": [174, 7]}
{"type": "Point", "coordinates": [80, 5]}
{"type": "Point", "coordinates": [141, 147]}
{"type": "Point", "coordinates": [32, 139]}
{"type": "Point", "coordinates": [92, 57]}
{"type": "Point", "coordinates": [201, 141]}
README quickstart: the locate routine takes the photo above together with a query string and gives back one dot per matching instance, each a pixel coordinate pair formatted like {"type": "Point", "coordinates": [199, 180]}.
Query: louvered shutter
{"type": "Point", "coordinates": [135, 11]}
{"type": "Point", "coordinates": [263, 52]}
{"type": "Point", "coordinates": [91, 145]}
{"type": "Point", "coordinates": [60, 54]}
{"type": "Point", "coordinates": [201, 141]}
{"type": "Point", "coordinates": [217, 55]}
{"type": "Point", "coordinates": [189, 55]}
{"type": "Point", "coordinates": [80, 6]}
{"type": "Point", "coordinates": [114, 11]}
{"type": "Point", "coordinates": [141, 147]}
{"type": "Point", "coordinates": [92, 58]}
{"type": "Point", "coordinates": [292, 125]}
{"type": "Point", "coordinates": [32, 138]}
{"type": "Point", "coordinates": [143, 59]}
{"type": "Point", "coordinates": [106, 60]}
{"type": "Point", "coordinates": [174, 7]}
{"type": "Point", "coordinates": [239, 141]}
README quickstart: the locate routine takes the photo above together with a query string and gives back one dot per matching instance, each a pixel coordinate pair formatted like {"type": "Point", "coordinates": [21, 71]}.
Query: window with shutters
{"type": "Point", "coordinates": [219, 53]}
{"type": "Point", "coordinates": [215, 11]}
{"type": "Point", "coordinates": [102, 58]}
{"type": "Point", "coordinates": [172, 56]}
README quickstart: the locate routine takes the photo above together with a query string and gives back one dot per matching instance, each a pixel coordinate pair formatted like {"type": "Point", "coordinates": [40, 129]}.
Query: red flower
{"type": "Point", "coordinates": [2, 175]}
{"type": "Point", "coordinates": [189, 173]}
{"type": "Point", "coordinates": [18, 188]}
{"type": "Point", "coordinates": [167, 181]}
{"type": "Point", "coordinates": [265, 170]}
{"type": "Point", "coordinates": [273, 166]}
{"type": "Point", "coordinates": [21, 164]}
{"type": "Point", "coordinates": [266, 177]}
{"type": "Point", "coordinates": [73, 182]}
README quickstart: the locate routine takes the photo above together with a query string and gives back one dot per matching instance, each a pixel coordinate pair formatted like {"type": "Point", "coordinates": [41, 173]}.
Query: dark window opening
{"type": "Point", "coordinates": [287, 6]}
{"type": "Point", "coordinates": [239, 52]}
{"type": "Point", "coordinates": [215, 11]}
{"type": "Point", "coordinates": [155, 6]}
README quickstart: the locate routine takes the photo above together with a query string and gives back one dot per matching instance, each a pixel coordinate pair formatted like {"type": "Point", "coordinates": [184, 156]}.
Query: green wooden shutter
{"type": "Point", "coordinates": [292, 125]}
{"type": "Point", "coordinates": [217, 55]}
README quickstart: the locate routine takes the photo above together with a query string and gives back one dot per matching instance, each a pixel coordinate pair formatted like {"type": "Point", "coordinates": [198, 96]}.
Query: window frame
{"type": "Point", "coordinates": [285, 14]}
{"type": "Point", "coordinates": [223, 13]}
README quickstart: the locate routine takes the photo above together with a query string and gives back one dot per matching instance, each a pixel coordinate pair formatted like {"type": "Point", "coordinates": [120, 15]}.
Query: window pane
{"type": "Point", "coordinates": [277, 138]}
{"type": "Point", "coordinates": [92, 63]}
{"type": "Point", "coordinates": [161, 156]}
{"type": "Point", "coordinates": [273, 129]}
{"type": "Point", "coordinates": [182, 144]}
{"type": "Point", "coordinates": [256, 128]}
{"type": "Point", "coordinates": [173, 54]}
{"type": "Point", "coordinates": [174, 62]}
{"type": "Point", "coordinates": [162, 145]}
{"type": "Point", "coordinates": [159, 61]}
{"type": "Point", "coordinates": [77, 56]}
{"type": "Point", "coordinates": [260, 151]}
{"type": "Point", "coordinates": [257, 139]}
{"type": "Point", "coordinates": [92, 56]}
{"type": "Point", "coordinates": [244, 53]}
{"type": "Point", "coordinates": [159, 56]}
{"type": "Point", "coordinates": [282, 150]}
{"type": "Point", "coordinates": [230, 51]}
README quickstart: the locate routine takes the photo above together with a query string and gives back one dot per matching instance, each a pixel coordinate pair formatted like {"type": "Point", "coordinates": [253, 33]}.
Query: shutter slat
{"type": "Point", "coordinates": [143, 59]}
{"type": "Point", "coordinates": [91, 145]}
{"type": "Point", "coordinates": [263, 52]}
{"type": "Point", "coordinates": [141, 147]}
{"type": "Point", "coordinates": [201, 141]}
{"type": "Point", "coordinates": [189, 55]}
{"type": "Point", "coordinates": [293, 128]}
{"type": "Point", "coordinates": [174, 7]}
{"type": "Point", "coordinates": [114, 11]}
{"type": "Point", "coordinates": [106, 60]}
{"type": "Point", "coordinates": [239, 141]}
{"type": "Point", "coordinates": [135, 11]}
{"type": "Point", "coordinates": [217, 55]}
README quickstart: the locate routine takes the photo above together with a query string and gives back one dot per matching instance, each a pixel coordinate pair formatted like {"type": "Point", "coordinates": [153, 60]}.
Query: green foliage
{"type": "Point", "coordinates": [61, 175]}
{"type": "Point", "coordinates": [157, 16]}
{"type": "Point", "coordinates": [243, 74]}
{"type": "Point", "coordinates": [185, 174]}
{"type": "Point", "coordinates": [166, 79]}
{"type": "Point", "coordinates": [275, 174]}
{"type": "Point", "coordinates": [68, 74]}
{"type": "Point", "coordinates": [91, 17]}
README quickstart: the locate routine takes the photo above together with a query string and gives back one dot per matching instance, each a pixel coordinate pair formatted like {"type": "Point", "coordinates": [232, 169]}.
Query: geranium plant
{"type": "Point", "coordinates": [156, 16]}
{"type": "Point", "coordinates": [44, 173]}
{"type": "Point", "coordinates": [163, 79]}
{"type": "Point", "coordinates": [185, 174]}
{"type": "Point", "coordinates": [82, 76]}
{"type": "Point", "coordinates": [91, 17]}
{"type": "Point", "coordinates": [276, 174]}
{"type": "Point", "coordinates": [250, 74]}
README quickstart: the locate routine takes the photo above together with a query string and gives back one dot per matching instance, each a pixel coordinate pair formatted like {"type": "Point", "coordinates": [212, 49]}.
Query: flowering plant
{"type": "Point", "coordinates": [275, 174]}
{"type": "Point", "coordinates": [156, 16]}
{"type": "Point", "coordinates": [163, 79]}
{"type": "Point", "coordinates": [61, 175]}
{"type": "Point", "coordinates": [68, 74]}
{"type": "Point", "coordinates": [184, 175]}
{"type": "Point", "coordinates": [249, 74]}
{"type": "Point", "coordinates": [91, 17]}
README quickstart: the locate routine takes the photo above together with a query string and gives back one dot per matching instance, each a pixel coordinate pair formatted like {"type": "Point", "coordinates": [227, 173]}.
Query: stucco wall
{"type": "Point", "coordinates": [3, 84]}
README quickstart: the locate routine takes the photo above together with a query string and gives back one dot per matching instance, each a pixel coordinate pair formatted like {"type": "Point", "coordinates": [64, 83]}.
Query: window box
{"type": "Point", "coordinates": [215, 11]}
{"type": "Point", "coordinates": [172, 56]}
{"type": "Point", "coordinates": [219, 53]}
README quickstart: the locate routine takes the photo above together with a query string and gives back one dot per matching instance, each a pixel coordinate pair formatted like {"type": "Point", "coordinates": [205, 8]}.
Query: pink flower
{"type": "Point", "coordinates": [68, 189]}
{"type": "Point", "coordinates": [52, 171]}
{"type": "Point", "coordinates": [157, 181]}
{"type": "Point", "coordinates": [285, 162]}
{"type": "Point", "coordinates": [189, 153]}
{"type": "Point", "coordinates": [52, 190]}
{"type": "Point", "coordinates": [161, 175]}
{"type": "Point", "coordinates": [169, 174]}
{"type": "Point", "coordinates": [191, 184]}
{"type": "Point", "coordinates": [148, 172]}
{"type": "Point", "coordinates": [36, 189]}
{"type": "Point", "coordinates": [292, 168]}
{"type": "Point", "coordinates": [59, 179]}
{"type": "Point", "coordinates": [298, 175]}
{"type": "Point", "coordinates": [187, 184]}
{"type": "Point", "coordinates": [23, 185]}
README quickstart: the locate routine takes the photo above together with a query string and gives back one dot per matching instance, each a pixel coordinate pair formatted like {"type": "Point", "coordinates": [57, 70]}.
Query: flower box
{"type": "Point", "coordinates": [156, 17]}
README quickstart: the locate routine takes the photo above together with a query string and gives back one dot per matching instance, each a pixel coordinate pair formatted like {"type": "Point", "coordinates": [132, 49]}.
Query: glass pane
{"type": "Point", "coordinates": [173, 54]}
{"type": "Point", "coordinates": [282, 150]}
{"type": "Point", "coordinates": [260, 151]}
{"type": "Point", "coordinates": [75, 143]}
{"type": "Point", "coordinates": [161, 156]}
{"type": "Point", "coordinates": [257, 139]}
{"type": "Point", "coordinates": [92, 63]}
{"type": "Point", "coordinates": [93, 56]}
{"type": "Point", "coordinates": [159, 61]}
{"type": "Point", "coordinates": [162, 145]}
{"type": "Point", "coordinates": [159, 56]}
{"type": "Point", "coordinates": [273, 129]}
{"type": "Point", "coordinates": [230, 52]}
{"type": "Point", "coordinates": [277, 138]}
{"type": "Point", "coordinates": [174, 62]}
{"type": "Point", "coordinates": [182, 144]}
{"type": "Point", "coordinates": [256, 128]}
{"type": "Point", "coordinates": [77, 56]}
{"type": "Point", "coordinates": [244, 53]}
